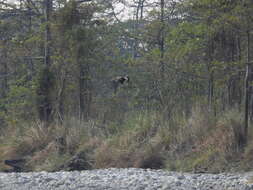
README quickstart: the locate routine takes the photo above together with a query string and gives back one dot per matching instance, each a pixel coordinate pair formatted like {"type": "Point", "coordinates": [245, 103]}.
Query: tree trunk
{"type": "Point", "coordinates": [210, 71]}
{"type": "Point", "coordinates": [142, 7]}
{"type": "Point", "coordinates": [48, 8]}
{"type": "Point", "coordinates": [3, 72]}
{"type": "Point", "coordinates": [84, 91]}
{"type": "Point", "coordinates": [161, 42]}
{"type": "Point", "coordinates": [61, 96]}
{"type": "Point", "coordinates": [239, 58]}
{"type": "Point", "coordinates": [47, 59]}
{"type": "Point", "coordinates": [138, 19]}
{"type": "Point", "coordinates": [81, 92]}
{"type": "Point", "coordinates": [136, 28]}
{"type": "Point", "coordinates": [210, 91]}
{"type": "Point", "coordinates": [44, 90]}
{"type": "Point", "coordinates": [30, 61]}
{"type": "Point", "coordinates": [246, 88]}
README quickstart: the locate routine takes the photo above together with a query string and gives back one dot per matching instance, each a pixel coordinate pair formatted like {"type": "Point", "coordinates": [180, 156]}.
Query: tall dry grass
{"type": "Point", "coordinates": [200, 142]}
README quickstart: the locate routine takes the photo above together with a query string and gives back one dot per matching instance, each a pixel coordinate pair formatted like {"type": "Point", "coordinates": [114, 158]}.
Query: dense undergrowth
{"type": "Point", "coordinates": [201, 142]}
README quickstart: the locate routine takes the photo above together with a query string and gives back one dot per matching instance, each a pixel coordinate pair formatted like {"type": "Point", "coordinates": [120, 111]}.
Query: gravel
{"type": "Point", "coordinates": [125, 179]}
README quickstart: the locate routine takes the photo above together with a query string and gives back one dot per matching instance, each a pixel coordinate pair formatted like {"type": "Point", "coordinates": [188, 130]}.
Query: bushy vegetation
{"type": "Point", "coordinates": [200, 143]}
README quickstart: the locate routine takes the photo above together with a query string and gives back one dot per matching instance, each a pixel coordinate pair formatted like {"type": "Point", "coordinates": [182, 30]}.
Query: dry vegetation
{"type": "Point", "coordinates": [199, 143]}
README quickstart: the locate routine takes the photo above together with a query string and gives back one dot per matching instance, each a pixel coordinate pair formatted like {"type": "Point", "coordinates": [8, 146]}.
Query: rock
{"type": "Point", "coordinates": [181, 177]}
{"type": "Point", "coordinates": [17, 164]}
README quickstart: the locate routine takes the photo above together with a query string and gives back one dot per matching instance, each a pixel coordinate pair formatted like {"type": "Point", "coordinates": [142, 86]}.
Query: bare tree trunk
{"type": "Point", "coordinates": [81, 92]}
{"type": "Point", "coordinates": [88, 91]}
{"type": "Point", "coordinates": [210, 71]}
{"type": "Point", "coordinates": [229, 93]}
{"type": "Point", "coordinates": [246, 88]}
{"type": "Point", "coordinates": [142, 7]}
{"type": "Point", "coordinates": [3, 72]}
{"type": "Point", "coordinates": [210, 91]}
{"type": "Point", "coordinates": [47, 59]}
{"type": "Point", "coordinates": [239, 48]}
{"type": "Point", "coordinates": [138, 19]}
{"type": "Point", "coordinates": [30, 61]}
{"type": "Point", "coordinates": [161, 42]}
{"type": "Point", "coordinates": [136, 28]}
{"type": "Point", "coordinates": [239, 58]}
{"type": "Point", "coordinates": [48, 8]}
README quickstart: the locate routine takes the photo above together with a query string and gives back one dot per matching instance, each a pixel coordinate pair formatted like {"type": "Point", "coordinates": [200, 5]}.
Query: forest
{"type": "Point", "coordinates": [162, 84]}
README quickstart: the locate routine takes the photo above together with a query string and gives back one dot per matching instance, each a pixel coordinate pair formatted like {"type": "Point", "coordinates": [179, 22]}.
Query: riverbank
{"type": "Point", "coordinates": [125, 179]}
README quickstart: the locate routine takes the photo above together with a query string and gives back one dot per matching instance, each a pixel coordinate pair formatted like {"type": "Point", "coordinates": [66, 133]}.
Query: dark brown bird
{"type": "Point", "coordinates": [119, 80]}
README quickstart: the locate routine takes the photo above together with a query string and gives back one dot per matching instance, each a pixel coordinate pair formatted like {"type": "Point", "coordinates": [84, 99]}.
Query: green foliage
{"type": "Point", "coordinates": [185, 39]}
{"type": "Point", "coordinates": [68, 16]}
{"type": "Point", "coordinates": [20, 101]}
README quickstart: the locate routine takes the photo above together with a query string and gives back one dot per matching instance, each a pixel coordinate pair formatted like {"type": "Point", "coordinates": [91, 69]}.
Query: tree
{"type": "Point", "coordinates": [45, 80]}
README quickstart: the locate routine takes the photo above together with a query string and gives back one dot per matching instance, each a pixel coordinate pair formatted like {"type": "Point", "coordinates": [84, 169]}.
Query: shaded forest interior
{"type": "Point", "coordinates": [167, 86]}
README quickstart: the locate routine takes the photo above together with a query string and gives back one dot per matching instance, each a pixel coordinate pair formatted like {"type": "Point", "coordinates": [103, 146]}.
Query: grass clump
{"type": "Point", "coordinates": [133, 146]}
